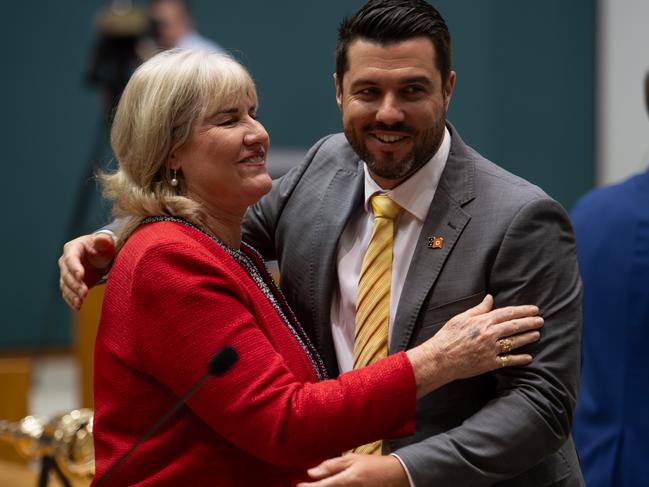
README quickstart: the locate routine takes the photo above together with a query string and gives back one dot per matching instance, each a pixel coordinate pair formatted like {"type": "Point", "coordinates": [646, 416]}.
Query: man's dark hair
{"type": "Point", "coordinates": [392, 21]}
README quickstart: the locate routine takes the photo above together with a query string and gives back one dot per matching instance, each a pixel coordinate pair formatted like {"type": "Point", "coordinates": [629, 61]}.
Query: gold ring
{"type": "Point", "coordinates": [504, 359]}
{"type": "Point", "coordinates": [505, 345]}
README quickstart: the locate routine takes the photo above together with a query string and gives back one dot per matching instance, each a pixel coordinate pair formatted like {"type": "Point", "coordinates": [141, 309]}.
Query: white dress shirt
{"type": "Point", "coordinates": [414, 195]}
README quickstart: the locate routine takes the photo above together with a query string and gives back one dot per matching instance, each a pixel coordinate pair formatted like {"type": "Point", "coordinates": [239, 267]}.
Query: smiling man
{"type": "Point", "coordinates": [458, 227]}
{"type": "Point", "coordinates": [465, 227]}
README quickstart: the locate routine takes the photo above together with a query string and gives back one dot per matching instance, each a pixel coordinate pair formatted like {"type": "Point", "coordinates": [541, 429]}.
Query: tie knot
{"type": "Point", "coordinates": [384, 207]}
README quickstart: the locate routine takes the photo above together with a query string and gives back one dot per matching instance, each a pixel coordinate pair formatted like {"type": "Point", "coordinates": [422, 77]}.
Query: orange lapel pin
{"type": "Point", "coordinates": [435, 242]}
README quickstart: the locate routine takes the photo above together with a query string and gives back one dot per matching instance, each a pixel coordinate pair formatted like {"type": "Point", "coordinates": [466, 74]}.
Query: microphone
{"type": "Point", "coordinates": [219, 364]}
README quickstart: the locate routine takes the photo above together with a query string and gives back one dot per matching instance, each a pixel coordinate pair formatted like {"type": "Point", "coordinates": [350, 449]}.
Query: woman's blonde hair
{"type": "Point", "coordinates": [163, 99]}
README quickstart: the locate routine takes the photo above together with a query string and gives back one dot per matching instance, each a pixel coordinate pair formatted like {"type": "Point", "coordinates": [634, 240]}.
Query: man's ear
{"type": "Point", "coordinates": [339, 91]}
{"type": "Point", "coordinates": [448, 89]}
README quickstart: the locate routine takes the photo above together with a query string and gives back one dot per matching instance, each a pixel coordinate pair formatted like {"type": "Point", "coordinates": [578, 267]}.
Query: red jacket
{"type": "Point", "coordinates": [173, 298]}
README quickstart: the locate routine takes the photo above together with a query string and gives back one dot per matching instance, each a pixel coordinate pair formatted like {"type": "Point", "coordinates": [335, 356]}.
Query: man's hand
{"type": "Point", "coordinates": [84, 261]}
{"type": "Point", "coordinates": [354, 470]}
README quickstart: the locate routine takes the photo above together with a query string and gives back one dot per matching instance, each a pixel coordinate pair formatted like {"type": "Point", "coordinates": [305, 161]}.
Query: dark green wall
{"type": "Point", "coordinates": [524, 98]}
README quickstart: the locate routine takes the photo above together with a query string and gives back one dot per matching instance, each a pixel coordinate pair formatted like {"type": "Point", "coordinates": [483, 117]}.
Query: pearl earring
{"type": "Point", "coordinates": [174, 179]}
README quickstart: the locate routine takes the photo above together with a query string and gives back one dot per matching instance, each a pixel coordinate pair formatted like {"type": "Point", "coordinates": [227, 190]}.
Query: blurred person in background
{"type": "Point", "coordinates": [611, 426]}
{"type": "Point", "coordinates": [192, 158]}
{"type": "Point", "coordinates": [173, 26]}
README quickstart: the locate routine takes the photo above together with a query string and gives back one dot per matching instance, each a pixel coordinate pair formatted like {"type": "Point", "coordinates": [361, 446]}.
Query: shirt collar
{"type": "Point", "coordinates": [416, 193]}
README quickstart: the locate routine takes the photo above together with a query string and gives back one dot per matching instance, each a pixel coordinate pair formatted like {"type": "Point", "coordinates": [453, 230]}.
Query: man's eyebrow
{"type": "Point", "coordinates": [417, 79]}
{"type": "Point", "coordinates": [406, 81]}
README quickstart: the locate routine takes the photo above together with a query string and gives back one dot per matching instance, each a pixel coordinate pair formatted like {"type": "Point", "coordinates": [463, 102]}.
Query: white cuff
{"type": "Point", "coordinates": [109, 233]}
{"type": "Point", "coordinates": [410, 481]}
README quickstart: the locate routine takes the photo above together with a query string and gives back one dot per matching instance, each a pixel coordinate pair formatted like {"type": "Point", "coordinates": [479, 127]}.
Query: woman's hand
{"type": "Point", "coordinates": [474, 342]}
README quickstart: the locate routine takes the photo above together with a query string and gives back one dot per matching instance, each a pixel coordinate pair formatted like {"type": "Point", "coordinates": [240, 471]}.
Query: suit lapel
{"type": "Point", "coordinates": [343, 196]}
{"type": "Point", "coordinates": [446, 219]}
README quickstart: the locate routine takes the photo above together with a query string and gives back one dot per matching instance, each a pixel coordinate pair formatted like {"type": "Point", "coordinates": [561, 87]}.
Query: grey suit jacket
{"type": "Point", "coordinates": [503, 236]}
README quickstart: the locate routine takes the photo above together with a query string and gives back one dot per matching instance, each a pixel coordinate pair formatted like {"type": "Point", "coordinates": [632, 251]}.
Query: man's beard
{"type": "Point", "coordinates": [425, 145]}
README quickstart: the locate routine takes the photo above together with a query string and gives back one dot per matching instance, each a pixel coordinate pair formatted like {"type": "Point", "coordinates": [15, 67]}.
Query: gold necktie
{"type": "Point", "coordinates": [373, 296]}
